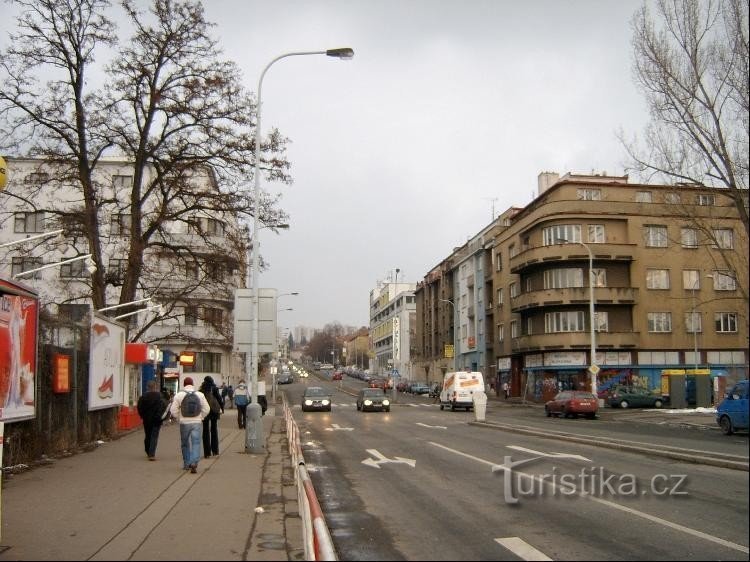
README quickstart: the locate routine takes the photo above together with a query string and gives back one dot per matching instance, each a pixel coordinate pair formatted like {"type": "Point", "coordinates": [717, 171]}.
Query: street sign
{"type": "Point", "coordinates": [594, 369]}
{"type": "Point", "coordinates": [395, 374]}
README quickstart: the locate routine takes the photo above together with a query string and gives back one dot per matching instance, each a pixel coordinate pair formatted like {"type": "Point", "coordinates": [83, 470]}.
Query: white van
{"type": "Point", "coordinates": [459, 388]}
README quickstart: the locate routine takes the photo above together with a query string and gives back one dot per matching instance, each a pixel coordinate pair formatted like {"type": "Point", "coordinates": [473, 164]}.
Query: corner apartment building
{"type": "Point", "coordinates": [192, 272]}
{"type": "Point", "coordinates": [669, 273]}
{"type": "Point", "coordinates": [392, 328]}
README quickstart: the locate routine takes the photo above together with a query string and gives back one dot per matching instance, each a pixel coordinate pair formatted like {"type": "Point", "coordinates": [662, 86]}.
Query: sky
{"type": "Point", "coordinates": [448, 111]}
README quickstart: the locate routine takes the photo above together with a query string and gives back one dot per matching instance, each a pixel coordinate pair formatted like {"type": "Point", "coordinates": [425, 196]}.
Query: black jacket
{"type": "Point", "coordinates": [151, 406]}
{"type": "Point", "coordinates": [213, 389]}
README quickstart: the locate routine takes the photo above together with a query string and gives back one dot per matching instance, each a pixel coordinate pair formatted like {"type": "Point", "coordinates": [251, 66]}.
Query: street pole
{"type": "Point", "coordinates": [695, 327]}
{"type": "Point", "coordinates": [254, 437]}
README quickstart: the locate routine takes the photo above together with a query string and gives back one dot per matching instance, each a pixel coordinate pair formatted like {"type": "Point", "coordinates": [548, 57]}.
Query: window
{"type": "Point", "coordinates": [512, 251]}
{"type": "Point", "coordinates": [691, 279]}
{"type": "Point", "coordinates": [563, 278]}
{"type": "Point", "coordinates": [601, 321]}
{"type": "Point", "coordinates": [499, 261]}
{"type": "Point", "coordinates": [529, 326]}
{"type": "Point", "coordinates": [567, 321]}
{"type": "Point", "coordinates": [73, 270]}
{"type": "Point", "coordinates": [215, 271]}
{"type": "Point", "coordinates": [191, 316]}
{"type": "Point", "coordinates": [723, 238]}
{"type": "Point", "coordinates": [656, 236]}
{"type": "Point", "coordinates": [19, 265]}
{"type": "Point", "coordinates": [513, 290]}
{"type": "Point", "coordinates": [672, 198]}
{"type": "Point", "coordinates": [514, 329]}
{"type": "Point", "coordinates": [500, 332]}
{"type": "Point", "coordinates": [206, 362]}
{"type": "Point", "coordinates": [213, 316]}
{"type": "Point", "coordinates": [116, 270]}
{"type": "Point", "coordinates": [599, 277]}
{"type": "Point", "coordinates": [29, 222]}
{"type": "Point", "coordinates": [560, 233]}
{"type": "Point", "coordinates": [72, 312]}
{"type": "Point", "coordinates": [643, 197]}
{"type": "Point", "coordinates": [724, 281]}
{"type": "Point", "coordinates": [689, 237]}
{"type": "Point", "coordinates": [725, 322]}
{"type": "Point", "coordinates": [596, 234]}
{"type": "Point", "coordinates": [588, 194]}
{"type": "Point", "coordinates": [499, 297]}
{"type": "Point", "coordinates": [706, 199]}
{"type": "Point", "coordinates": [657, 279]}
{"type": "Point", "coordinates": [191, 270]}
{"type": "Point", "coordinates": [36, 178]}
{"type": "Point", "coordinates": [119, 225]}
{"type": "Point", "coordinates": [122, 182]}
{"type": "Point", "coordinates": [529, 285]}
{"type": "Point", "coordinates": [693, 322]}
{"type": "Point", "coordinates": [659, 321]}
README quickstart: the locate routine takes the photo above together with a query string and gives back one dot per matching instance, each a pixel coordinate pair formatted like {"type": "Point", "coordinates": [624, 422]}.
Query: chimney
{"type": "Point", "coordinates": [545, 180]}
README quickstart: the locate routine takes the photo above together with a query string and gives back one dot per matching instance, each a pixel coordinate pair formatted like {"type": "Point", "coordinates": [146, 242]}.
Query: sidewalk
{"type": "Point", "coordinates": [112, 504]}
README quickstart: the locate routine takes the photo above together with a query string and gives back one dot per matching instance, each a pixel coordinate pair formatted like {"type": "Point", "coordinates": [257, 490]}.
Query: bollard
{"type": "Point", "coordinates": [254, 429]}
{"type": "Point", "coordinates": [480, 405]}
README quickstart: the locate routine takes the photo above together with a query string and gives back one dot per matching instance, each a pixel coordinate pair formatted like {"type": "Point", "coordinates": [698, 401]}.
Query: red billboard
{"type": "Point", "coordinates": [19, 317]}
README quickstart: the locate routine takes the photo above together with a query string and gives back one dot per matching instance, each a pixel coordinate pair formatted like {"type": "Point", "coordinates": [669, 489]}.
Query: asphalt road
{"type": "Point", "coordinates": [423, 484]}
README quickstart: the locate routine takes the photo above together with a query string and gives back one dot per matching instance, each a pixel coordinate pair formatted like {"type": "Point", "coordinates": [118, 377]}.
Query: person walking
{"type": "Point", "coordinates": [506, 389]}
{"type": "Point", "coordinates": [190, 414]}
{"type": "Point", "coordinates": [151, 406]}
{"type": "Point", "coordinates": [230, 393]}
{"type": "Point", "coordinates": [241, 400]}
{"type": "Point", "coordinates": [210, 422]}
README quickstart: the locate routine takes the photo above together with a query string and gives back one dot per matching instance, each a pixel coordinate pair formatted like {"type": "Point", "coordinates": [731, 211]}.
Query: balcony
{"type": "Point", "coordinates": [574, 295]}
{"type": "Point", "coordinates": [575, 340]}
{"type": "Point", "coordinates": [564, 252]}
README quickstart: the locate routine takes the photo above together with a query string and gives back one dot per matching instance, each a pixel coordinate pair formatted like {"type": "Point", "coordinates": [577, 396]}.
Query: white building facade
{"type": "Point", "coordinates": [392, 325]}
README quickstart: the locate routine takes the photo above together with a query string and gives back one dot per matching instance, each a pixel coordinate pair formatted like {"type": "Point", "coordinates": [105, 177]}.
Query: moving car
{"type": "Point", "coordinates": [337, 376]}
{"type": "Point", "coordinates": [316, 398]}
{"type": "Point", "coordinates": [633, 397]}
{"type": "Point", "coordinates": [373, 399]}
{"type": "Point", "coordinates": [459, 388]}
{"type": "Point", "coordinates": [572, 403]}
{"type": "Point", "coordinates": [732, 413]}
{"type": "Point", "coordinates": [285, 378]}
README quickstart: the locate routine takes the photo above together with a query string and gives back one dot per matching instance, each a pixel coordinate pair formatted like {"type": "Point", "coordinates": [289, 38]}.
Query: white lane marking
{"type": "Point", "coordinates": [337, 427]}
{"type": "Point", "coordinates": [550, 455]}
{"type": "Point", "coordinates": [432, 426]}
{"type": "Point", "coordinates": [522, 549]}
{"type": "Point", "coordinates": [381, 459]}
{"type": "Point", "coordinates": [635, 512]}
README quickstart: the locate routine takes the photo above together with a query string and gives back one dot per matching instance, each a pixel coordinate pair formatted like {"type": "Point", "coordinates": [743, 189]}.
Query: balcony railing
{"type": "Point", "coordinates": [576, 340]}
{"type": "Point", "coordinates": [574, 295]}
{"type": "Point", "coordinates": [563, 252]}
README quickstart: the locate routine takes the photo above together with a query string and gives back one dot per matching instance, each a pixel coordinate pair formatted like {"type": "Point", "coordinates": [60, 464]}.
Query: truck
{"type": "Point", "coordinates": [459, 388]}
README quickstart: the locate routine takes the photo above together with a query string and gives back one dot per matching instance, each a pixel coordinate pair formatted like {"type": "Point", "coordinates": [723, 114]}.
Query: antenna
{"type": "Point", "coordinates": [493, 199]}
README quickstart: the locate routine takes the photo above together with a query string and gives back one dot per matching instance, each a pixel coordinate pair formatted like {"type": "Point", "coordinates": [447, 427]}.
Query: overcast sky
{"type": "Point", "coordinates": [447, 108]}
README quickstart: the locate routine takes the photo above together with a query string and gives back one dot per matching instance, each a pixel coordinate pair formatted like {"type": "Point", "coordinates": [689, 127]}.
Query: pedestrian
{"type": "Point", "coordinates": [151, 407]}
{"type": "Point", "coordinates": [230, 394]}
{"type": "Point", "coordinates": [210, 422]}
{"type": "Point", "coordinates": [241, 400]}
{"type": "Point", "coordinates": [506, 389]}
{"type": "Point", "coordinates": [190, 417]}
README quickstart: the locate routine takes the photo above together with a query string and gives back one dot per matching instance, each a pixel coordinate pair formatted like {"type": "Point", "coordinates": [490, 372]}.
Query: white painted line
{"type": "Point", "coordinates": [522, 549]}
{"type": "Point", "coordinates": [634, 512]}
{"type": "Point", "coordinates": [550, 455]}
{"type": "Point", "coordinates": [432, 426]}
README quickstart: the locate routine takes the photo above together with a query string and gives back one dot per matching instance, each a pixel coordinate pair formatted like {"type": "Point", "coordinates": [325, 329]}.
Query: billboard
{"type": "Point", "coordinates": [106, 364]}
{"type": "Point", "coordinates": [243, 319]}
{"type": "Point", "coordinates": [19, 320]}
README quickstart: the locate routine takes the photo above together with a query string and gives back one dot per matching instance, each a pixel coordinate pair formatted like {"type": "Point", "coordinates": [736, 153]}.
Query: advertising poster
{"type": "Point", "coordinates": [19, 313]}
{"type": "Point", "coordinates": [106, 364]}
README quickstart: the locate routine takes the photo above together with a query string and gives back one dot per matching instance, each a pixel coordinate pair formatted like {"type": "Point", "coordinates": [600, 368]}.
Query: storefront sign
{"type": "Point", "coordinates": [534, 360]}
{"type": "Point", "coordinates": [503, 364]}
{"type": "Point", "coordinates": [564, 358]}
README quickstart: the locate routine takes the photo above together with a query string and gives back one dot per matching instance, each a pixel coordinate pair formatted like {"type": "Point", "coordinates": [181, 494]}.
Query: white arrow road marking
{"type": "Point", "coordinates": [522, 549]}
{"type": "Point", "coordinates": [550, 455]}
{"type": "Point", "coordinates": [432, 426]}
{"type": "Point", "coordinates": [337, 427]}
{"type": "Point", "coordinates": [380, 459]}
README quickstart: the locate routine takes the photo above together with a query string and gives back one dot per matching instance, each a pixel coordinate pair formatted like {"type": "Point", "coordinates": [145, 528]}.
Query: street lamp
{"type": "Point", "coordinates": [694, 326]}
{"type": "Point", "coordinates": [593, 368]}
{"type": "Point", "coordinates": [455, 347]}
{"type": "Point", "coordinates": [124, 304]}
{"type": "Point", "coordinates": [22, 240]}
{"type": "Point", "coordinates": [254, 438]}
{"type": "Point", "coordinates": [90, 266]}
{"type": "Point", "coordinates": [157, 308]}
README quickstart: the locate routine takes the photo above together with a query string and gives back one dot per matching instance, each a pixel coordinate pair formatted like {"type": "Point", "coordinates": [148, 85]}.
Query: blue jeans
{"type": "Point", "coordinates": [190, 440]}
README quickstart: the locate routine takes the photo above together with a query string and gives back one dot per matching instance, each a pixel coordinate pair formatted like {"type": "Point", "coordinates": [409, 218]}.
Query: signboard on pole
{"type": "Point", "coordinates": [106, 363]}
{"type": "Point", "coordinates": [243, 320]}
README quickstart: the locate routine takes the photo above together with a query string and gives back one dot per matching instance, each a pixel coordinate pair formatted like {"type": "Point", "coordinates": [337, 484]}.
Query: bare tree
{"type": "Point", "coordinates": [169, 105]}
{"type": "Point", "coordinates": [691, 63]}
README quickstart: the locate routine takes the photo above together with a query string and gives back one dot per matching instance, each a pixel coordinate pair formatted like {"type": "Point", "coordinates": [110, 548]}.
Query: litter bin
{"type": "Point", "coordinates": [480, 405]}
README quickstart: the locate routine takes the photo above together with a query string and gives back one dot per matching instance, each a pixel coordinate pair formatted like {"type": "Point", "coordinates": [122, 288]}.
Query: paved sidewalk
{"type": "Point", "coordinates": [113, 504]}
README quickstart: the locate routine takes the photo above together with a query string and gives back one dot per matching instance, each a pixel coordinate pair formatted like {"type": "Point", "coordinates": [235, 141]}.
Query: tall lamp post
{"type": "Point", "coordinates": [593, 368]}
{"type": "Point", "coordinates": [254, 439]}
{"type": "Point", "coordinates": [694, 324]}
{"type": "Point", "coordinates": [455, 347]}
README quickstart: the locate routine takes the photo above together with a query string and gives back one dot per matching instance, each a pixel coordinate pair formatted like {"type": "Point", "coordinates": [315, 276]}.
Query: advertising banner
{"type": "Point", "coordinates": [106, 364]}
{"type": "Point", "coordinates": [19, 316]}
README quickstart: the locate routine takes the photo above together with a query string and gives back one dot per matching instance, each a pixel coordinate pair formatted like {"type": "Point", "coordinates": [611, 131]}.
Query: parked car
{"type": "Point", "coordinates": [373, 399]}
{"type": "Point", "coordinates": [732, 413]}
{"type": "Point", "coordinates": [572, 403]}
{"type": "Point", "coordinates": [420, 388]}
{"type": "Point", "coordinates": [316, 398]}
{"type": "Point", "coordinates": [633, 397]}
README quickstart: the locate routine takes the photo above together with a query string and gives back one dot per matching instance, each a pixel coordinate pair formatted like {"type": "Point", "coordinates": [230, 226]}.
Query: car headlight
{"type": "Point", "coordinates": [386, 402]}
{"type": "Point", "coordinates": [368, 402]}
{"type": "Point", "coordinates": [326, 402]}
{"type": "Point", "coordinates": [308, 402]}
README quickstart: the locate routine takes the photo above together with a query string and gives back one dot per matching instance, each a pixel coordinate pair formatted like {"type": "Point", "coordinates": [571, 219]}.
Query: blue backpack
{"type": "Point", "coordinates": [240, 399]}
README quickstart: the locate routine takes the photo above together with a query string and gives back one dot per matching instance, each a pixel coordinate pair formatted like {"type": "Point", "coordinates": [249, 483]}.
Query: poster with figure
{"type": "Point", "coordinates": [19, 317]}
{"type": "Point", "coordinates": [106, 364]}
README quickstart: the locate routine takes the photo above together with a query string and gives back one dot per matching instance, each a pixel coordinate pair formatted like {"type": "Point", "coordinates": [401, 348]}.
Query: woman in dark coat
{"type": "Point", "coordinates": [210, 422]}
{"type": "Point", "coordinates": [151, 406]}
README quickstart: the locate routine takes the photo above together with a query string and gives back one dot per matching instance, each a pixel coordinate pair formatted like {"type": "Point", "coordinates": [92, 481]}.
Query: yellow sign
{"type": "Point", "coordinates": [673, 371]}
{"type": "Point", "coordinates": [448, 351]}
{"type": "Point", "coordinates": [698, 371]}
{"type": "Point", "coordinates": [3, 174]}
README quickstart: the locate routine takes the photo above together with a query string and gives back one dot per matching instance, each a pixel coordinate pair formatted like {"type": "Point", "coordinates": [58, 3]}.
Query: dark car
{"type": "Point", "coordinates": [316, 398]}
{"type": "Point", "coordinates": [377, 383]}
{"type": "Point", "coordinates": [373, 399]}
{"type": "Point", "coordinates": [337, 376]}
{"type": "Point", "coordinates": [633, 397]}
{"type": "Point", "coordinates": [572, 403]}
{"type": "Point", "coordinates": [285, 378]}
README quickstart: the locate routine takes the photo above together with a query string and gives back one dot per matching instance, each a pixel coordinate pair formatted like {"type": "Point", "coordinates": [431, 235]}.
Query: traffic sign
{"type": "Point", "coordinates": [594, 369]}
{"type": "Point", "coordinates": [395, 374]}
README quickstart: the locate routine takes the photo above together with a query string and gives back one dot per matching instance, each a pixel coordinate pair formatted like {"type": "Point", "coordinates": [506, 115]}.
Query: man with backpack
{"type": "Point", "coordinates": [241, 400]}
{"type": "Point", "coordinates": [190, 407]}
